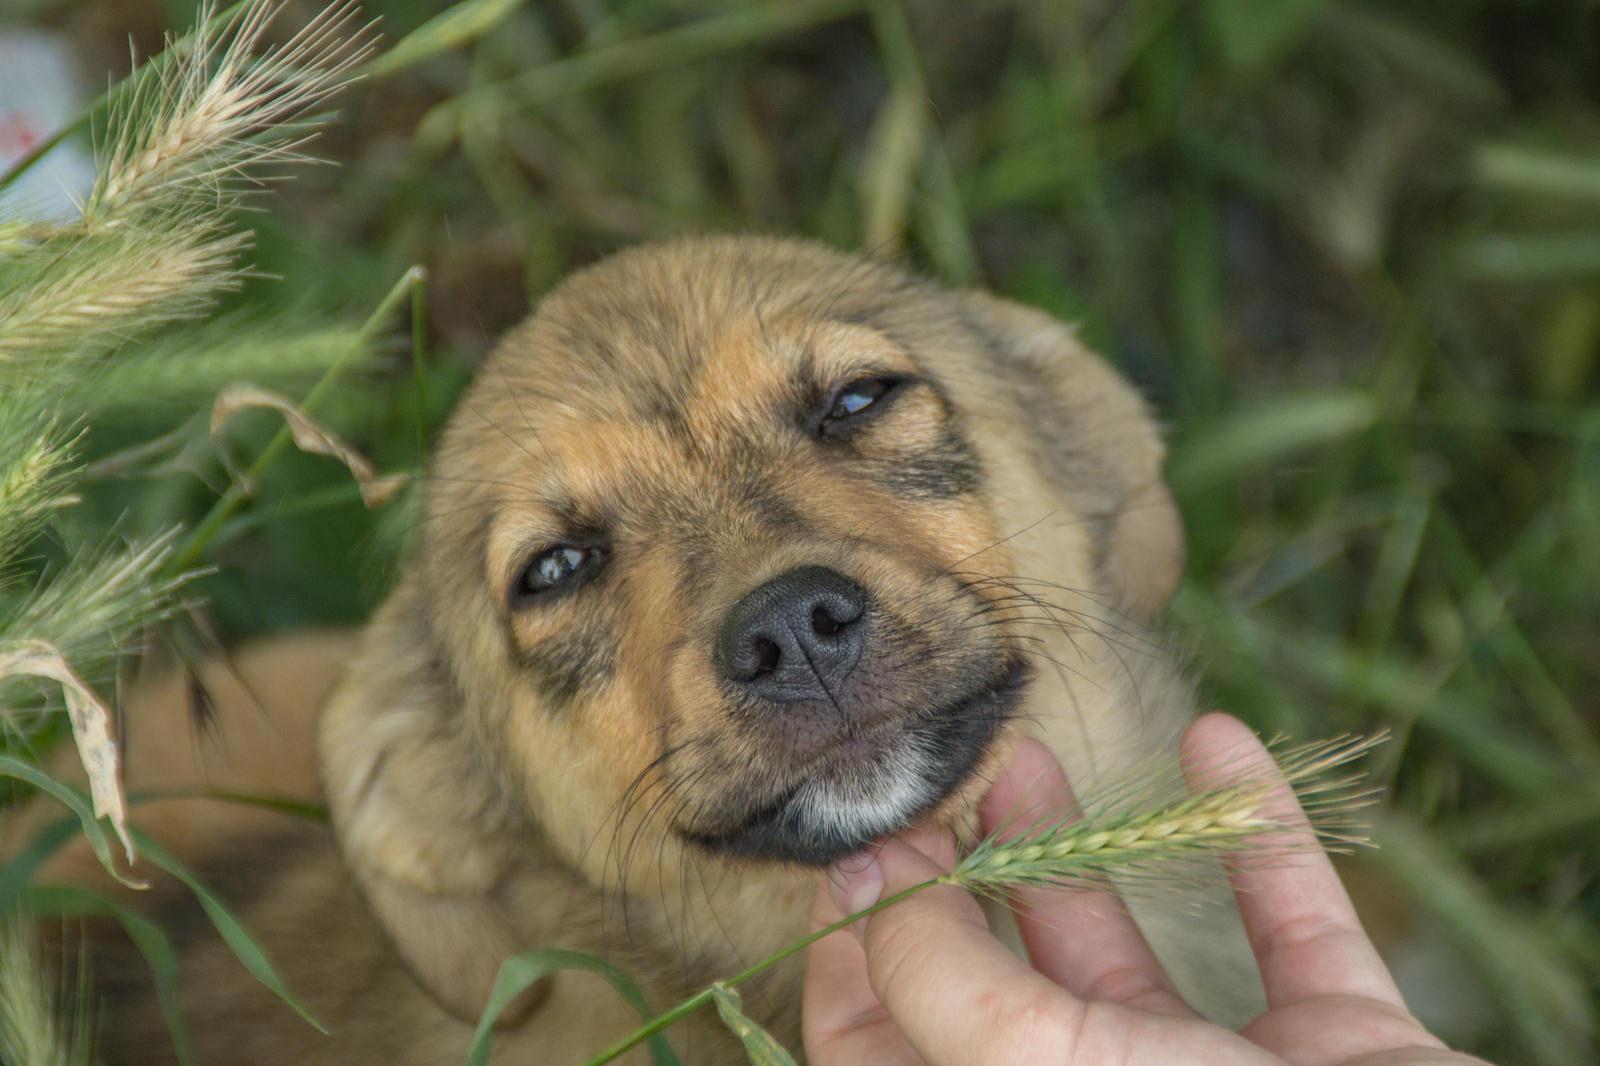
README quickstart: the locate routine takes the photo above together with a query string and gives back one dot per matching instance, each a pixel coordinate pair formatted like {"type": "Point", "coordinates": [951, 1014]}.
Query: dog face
{"type": "Point", "coordinates": [738, 553]}
{"type": "Point", "coordinates": [722, 553]}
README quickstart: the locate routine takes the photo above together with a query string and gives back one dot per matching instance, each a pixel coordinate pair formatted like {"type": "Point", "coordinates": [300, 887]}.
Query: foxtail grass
{"type": "Point", "coordinates": [1146, 841]}
{"type": "Point", "coordinates": [82, 308]}
{"type": "Point", "coordinates": [82, 305]}
{"type": "Point", "coordinates": [65, 300]}
{"type": "Point", "coordinates": [41, 1024]}
{"type": "Point", "coordinates": [186, 139]}
{"type": "Point", "coordinates": [203, 124]}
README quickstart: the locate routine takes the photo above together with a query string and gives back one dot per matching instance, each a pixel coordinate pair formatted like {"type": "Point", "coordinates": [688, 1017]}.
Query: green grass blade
{"type": "Point", "coordinates": [893, 158]}
{"type": "Point", "coordinates": [904, 146]}
{"type": "Point", "coordinates": [459, 25]}
{"type": "Point", "coordinates": [234, 934]}
{"type": "Point", "coordinates": [1573, 816]}
{"type": "Point", "coordinates": [1254, 437]}
{"type": "Point", "coordinates": [520, 971]}
{"type": "Point", "coordinates": [308, 811]}
{"type": "Point", "coordinates": [1129, 29]}
{"type": "Point", "coordinates": [76, 801]}
{"type": "Point", "coordinates": [944, 220]}
{"type": "Point", "coordinates": [1371, 31]}
{"type": "Point", "coordinates": [1538, 173]}
{"type": "Point", "coordinates": [183, 370]}
{"type": "Point", "coordinates": [153, 944]}
{"type": "Point", "coordinates": [1529, 257]}
{"type": "Point", "coordinates": [889, 170]}
{"type": "Point", "coordinates": [16, 874]}
{"type": "Point", "coordinates": [230, 500]}
{"type": "Point", "coordinates": [1542, 995]}
{"type": "Point", "coordinates": [712, 36]}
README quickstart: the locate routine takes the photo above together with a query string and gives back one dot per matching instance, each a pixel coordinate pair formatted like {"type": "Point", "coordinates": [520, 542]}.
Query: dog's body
{"type": "Point", "coordinates": [739, 555]}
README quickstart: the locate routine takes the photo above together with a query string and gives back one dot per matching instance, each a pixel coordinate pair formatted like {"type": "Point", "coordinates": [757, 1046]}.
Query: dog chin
{"type": "Point", "coordinates": [877, 784]}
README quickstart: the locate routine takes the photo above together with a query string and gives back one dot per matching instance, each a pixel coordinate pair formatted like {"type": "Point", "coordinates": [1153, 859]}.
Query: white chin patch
{"type": "Point", "coordinates": [867, 798]}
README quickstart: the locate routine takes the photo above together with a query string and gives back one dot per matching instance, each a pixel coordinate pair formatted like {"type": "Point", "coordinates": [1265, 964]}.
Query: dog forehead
{"type": "Point", "coordinates": [692, 344]}
{"type": "Point", "coordinates": [648, 348]}
{"type": "Point", "coordinates": [738, 414]}
{"type": "Point", "coordinates": [667, 370]}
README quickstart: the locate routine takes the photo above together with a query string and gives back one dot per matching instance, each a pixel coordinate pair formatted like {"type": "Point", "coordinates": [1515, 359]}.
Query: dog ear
{"type": "Point", "coordinates": [412, 824]}
{"type": "Point", "coordinates": [1094, 438]}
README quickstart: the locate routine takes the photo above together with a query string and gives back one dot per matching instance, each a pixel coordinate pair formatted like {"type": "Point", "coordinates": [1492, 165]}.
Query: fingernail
{"type": "Point", "coordinates": [856, 882]}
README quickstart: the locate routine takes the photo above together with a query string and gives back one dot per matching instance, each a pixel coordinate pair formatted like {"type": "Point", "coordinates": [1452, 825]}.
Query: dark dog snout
{"type": "Point", "coordinates": [797, 637]}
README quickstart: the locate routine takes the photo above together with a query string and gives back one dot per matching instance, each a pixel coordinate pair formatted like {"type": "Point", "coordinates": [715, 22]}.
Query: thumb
{"type": "Point", "coordinates": [959, 996]}
{"type": "Point", "coordinates": [841, 1020]}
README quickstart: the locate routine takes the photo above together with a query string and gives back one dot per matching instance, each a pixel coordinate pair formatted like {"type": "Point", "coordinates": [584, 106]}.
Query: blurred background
{"type": "Point", "coordinates": [1349, 249]}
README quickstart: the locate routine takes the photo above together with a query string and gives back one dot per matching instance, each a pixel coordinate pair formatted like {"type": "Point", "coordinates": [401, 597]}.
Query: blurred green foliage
{"type": "Point", "coordinates": [1350, 249]}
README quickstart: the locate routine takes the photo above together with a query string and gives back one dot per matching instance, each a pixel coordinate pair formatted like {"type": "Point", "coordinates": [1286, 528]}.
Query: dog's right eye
{"type": "Point", "coordinates": [558, 566]}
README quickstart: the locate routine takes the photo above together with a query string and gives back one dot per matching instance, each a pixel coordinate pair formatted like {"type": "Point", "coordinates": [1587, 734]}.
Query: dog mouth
{"type": "Point", "coordinates": [875, 783]}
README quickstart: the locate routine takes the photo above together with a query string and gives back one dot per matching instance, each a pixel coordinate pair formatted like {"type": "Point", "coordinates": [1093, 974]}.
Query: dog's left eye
{"type": "Point", "coordinates": [861, 396]}
{"type": "Point", "coordinates": [554, 567]}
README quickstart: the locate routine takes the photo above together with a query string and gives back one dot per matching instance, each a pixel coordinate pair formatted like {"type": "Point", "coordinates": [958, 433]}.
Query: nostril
{"type": "Point", "coordinates": [824, 624]}
{"type": "Point", "coordinates": [793, 636]}
{"type": "Point", "coordinates": [767, 656]}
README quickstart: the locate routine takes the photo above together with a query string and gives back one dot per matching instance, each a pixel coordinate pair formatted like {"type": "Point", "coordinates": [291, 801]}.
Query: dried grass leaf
{"type": "Point", "coordinates": [762, 1047]}
{"type": "Point", "coordinates": [91, 728]}
{"type": "Point", "coordinates": [308, 437]}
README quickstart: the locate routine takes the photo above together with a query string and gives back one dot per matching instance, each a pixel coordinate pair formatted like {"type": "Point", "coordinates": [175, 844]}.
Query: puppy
{"type": "Point", "coordinates": [739, 555]}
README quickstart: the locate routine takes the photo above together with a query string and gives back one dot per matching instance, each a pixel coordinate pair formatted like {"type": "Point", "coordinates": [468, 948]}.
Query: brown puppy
{"type": "Point", "coordinates": [739, 555]}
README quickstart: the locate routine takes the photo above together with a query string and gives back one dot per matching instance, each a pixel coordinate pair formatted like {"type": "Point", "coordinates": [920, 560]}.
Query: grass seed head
{"type": "Point", "coordinates": [1152, 841]}
{"type": "Point", "coordinates": [214, 109]}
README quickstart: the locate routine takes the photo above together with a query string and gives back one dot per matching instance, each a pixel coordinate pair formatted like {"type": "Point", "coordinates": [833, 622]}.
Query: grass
{"type": "Point", "coordinates": [1350, 249]}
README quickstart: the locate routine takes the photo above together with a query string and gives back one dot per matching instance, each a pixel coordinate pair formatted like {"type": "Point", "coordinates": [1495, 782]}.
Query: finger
{"type": "Point", "coordinates": [1301, 924]}
{"type": "Point", "coordinates": [841, 1019]}
{"type": "Point", "coordinates": [1083, 940]}
{"type": "Point", "coordinates": [1344, 1030]}
{"type": "Point", "coordinates": [962, 999]}
{"type": "Point", "coordinates": [842, 1023]}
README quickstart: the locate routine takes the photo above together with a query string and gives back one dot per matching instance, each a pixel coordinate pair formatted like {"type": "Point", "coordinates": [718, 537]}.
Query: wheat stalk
{"type": "Point", "coordinates": [92, 607]}
{"type": "Point", "coordinates": [1209, 823]}
{"type": "Point", "coordinates": [1114, 836]}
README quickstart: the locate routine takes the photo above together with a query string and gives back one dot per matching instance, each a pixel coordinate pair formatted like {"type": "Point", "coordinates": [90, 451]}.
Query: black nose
{"type": "Point", "coordinates": [797, 637]}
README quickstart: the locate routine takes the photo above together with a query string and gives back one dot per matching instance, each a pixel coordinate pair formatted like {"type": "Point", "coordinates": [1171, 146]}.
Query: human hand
{"type": "Point", "coordinates": [926, 982]}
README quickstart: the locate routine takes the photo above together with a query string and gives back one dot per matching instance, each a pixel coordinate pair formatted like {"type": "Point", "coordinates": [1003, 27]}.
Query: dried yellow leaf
{"type": "Point", "coordinates": [308, 437]}
{"type": "Point", "coordinates": [91, 728]}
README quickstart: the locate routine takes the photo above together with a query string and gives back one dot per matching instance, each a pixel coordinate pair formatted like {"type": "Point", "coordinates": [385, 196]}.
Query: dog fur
{"type": "Point", "coordinates": [510, 765]}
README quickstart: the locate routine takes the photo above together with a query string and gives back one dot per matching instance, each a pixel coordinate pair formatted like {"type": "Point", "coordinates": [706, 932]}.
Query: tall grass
{"type": "Point", "coordinates": [87, 310]}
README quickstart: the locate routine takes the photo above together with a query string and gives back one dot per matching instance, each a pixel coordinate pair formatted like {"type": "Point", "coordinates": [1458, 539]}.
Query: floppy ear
{"type": "Point", "coordinates": [412, 814]}
{"type": "Point", "coordinates": [1093, 437]}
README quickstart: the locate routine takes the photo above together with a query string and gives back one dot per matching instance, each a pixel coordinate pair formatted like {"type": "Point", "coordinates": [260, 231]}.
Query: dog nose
{"type": "Point", "coordinates": [797, 637]}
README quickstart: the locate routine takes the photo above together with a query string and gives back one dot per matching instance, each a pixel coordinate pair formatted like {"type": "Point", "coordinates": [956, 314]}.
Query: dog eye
{"type": "Point", "coordinates": [554, 567]}
{"type": "Point", "coordinates": [858, 397]}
